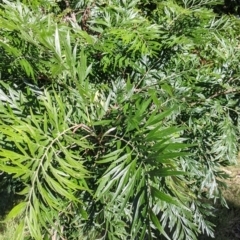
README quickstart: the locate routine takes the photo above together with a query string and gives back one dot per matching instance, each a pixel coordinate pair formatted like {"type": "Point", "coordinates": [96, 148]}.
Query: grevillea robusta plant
{"type": "Point", "coordinates": [116, 117]}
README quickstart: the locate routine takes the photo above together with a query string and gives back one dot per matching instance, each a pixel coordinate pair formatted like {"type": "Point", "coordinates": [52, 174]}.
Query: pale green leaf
{"type": "Point", "coordinates": [17, 210]}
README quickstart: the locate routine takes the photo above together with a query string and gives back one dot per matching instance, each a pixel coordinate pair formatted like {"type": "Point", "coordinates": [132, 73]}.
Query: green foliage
{"type": "Point", "coordinates": [116, 116]}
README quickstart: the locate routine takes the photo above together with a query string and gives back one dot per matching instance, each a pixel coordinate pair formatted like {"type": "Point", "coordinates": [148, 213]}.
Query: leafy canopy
{"type": "Point", "coordinates": [117, 116]}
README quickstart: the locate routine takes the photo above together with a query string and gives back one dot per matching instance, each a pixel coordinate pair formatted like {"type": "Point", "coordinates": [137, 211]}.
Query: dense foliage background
{"type": "Point", "coordinates": [117, 116]}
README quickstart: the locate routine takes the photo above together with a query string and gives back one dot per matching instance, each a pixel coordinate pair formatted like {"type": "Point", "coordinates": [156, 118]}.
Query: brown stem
{"type": "Point", "coordinates": [218, 94]}
{"type": "Point", "coordinates": [225, 92]}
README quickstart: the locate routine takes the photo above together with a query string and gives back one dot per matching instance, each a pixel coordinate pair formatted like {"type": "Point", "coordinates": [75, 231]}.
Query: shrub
{"type": "Point", "coordinates": [117, 116]}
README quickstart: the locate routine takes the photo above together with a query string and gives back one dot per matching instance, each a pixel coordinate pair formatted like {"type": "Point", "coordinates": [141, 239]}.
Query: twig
{"type": "Point", "coordinates": [225, 92]}
{"type": "Point", "coordinates": [85, 17]}
{"type": "Point", "coordinates": [217, 94]}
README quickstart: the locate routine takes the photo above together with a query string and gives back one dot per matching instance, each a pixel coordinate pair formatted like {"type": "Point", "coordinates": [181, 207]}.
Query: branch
{"type": "Point", "coordinates": [224, 93]}
{"type": "Point", "coordinates": [217, 94]}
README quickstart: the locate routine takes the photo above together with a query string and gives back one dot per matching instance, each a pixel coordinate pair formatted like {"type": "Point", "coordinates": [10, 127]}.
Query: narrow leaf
{"type": "Point", "coordinates": [16, 211]}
